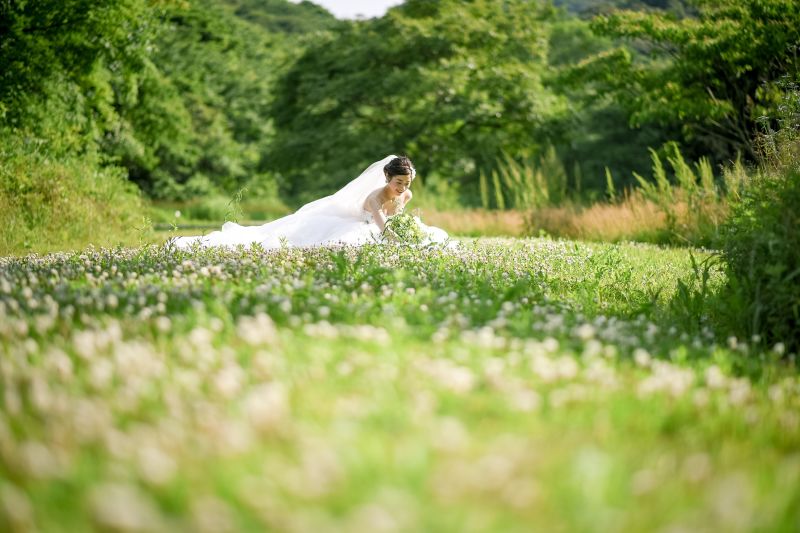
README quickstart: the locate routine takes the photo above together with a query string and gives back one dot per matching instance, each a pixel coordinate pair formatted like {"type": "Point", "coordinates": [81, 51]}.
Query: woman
{"type": "Point", "coordinates": [356, 214]}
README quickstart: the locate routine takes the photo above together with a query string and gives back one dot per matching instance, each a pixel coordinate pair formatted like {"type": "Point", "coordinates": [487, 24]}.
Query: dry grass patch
{"type": "Point", "coordinates": [477, 222]}
{"type": "Point", "coordinates": [634, 218]}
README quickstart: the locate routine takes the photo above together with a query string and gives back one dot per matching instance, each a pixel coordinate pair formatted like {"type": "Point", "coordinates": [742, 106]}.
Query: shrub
{"type": "Point", "coordinates": [528, 184]}
{"type": "Point", "coordinates": [762, 251]}
{"type": "Point", "coordinates": [211, 208]}
{"type": "Point", "coordinates": [761, 242]}
{"type": "Point", "coordinates": [694, 206]}
{"type": "Point", "coordinates": [49, 203]}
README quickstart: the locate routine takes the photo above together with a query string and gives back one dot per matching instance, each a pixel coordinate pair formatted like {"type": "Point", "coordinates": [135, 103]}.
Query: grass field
{"type": "Point", "coordinates": [505, 385]}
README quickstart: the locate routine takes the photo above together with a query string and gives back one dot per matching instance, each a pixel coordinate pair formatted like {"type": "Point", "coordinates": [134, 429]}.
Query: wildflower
{"type": "Point", "coordinates": [123, 507]}
{"type": "Point", "coordinates": [267, 406]}
{"type": "Point", "coordinates": [210, 514]}
{"type": "Point", "coordinates": [16, 507]}
{"type": "Point", "coordinates": [642, 357]}
{"type": "Point", "coordinates": [585, 332]}
{"type": "Point", "coordinates": [714, 377]}
{"type": "Point", "coordinates": [155, 466]}
{"type": "Point", "coordinates": [696, 467]}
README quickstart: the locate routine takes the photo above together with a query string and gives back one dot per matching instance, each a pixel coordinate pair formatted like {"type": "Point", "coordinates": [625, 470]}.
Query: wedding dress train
{"type": "Point", "coordinates": [336, 219]}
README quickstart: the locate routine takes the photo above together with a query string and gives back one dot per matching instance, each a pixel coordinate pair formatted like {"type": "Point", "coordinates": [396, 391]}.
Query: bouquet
{"type": "Point", "coordinates": [402, 227]}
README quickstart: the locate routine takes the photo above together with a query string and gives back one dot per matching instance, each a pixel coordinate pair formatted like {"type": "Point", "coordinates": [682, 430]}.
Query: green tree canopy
{"type": "Point", "coordinates": [456, 81]}
{"type": "Point", "coordinates": [714, 74]}
{"type": "Point", "coordinates": [280, 16]}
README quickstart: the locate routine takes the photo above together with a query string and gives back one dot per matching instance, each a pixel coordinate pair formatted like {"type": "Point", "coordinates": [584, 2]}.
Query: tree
{"type": "Point", "coordinates": [714, 74]}
{"type": "Point", "coordinates": [280, 16]}
{"type": "Point", "coordinates": [52, 49]}
{"type": "Point", "coordinates": [457, 81]}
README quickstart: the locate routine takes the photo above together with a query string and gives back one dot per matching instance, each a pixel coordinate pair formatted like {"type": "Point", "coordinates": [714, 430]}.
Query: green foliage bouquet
{"type": "Point", "coordinates": [402, 227]}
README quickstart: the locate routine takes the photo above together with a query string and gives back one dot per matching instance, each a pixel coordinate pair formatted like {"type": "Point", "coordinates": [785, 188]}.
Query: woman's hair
{"type": "Point", "coordinates": [399, 166]}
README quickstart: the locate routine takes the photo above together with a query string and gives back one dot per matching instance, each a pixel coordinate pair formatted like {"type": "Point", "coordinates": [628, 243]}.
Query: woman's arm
{"type": "Point", "coordinates": [408, 196]}
{"type": "Point", "coordinates": [377, 213]}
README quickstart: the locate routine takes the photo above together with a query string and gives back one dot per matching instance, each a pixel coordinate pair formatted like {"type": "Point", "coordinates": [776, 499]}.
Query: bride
{"type": "Point", "coordinates": [356, 214]}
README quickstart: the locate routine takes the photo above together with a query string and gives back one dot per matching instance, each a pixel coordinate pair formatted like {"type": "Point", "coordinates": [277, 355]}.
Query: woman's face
{"type": "Point", "coordinates": [399, 183]}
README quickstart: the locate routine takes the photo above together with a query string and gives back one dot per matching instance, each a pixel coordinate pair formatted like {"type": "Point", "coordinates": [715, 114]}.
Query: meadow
{"type": "Point", "coordinates": [498, 385]}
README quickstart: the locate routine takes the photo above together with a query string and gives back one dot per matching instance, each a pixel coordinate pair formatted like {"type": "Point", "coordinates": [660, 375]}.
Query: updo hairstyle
{"type": "Point", "coordinates": [399, 166]}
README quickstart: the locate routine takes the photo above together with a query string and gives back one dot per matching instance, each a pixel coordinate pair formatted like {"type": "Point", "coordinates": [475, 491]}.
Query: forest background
{"type": "Point", "coordinates": [118, 114]}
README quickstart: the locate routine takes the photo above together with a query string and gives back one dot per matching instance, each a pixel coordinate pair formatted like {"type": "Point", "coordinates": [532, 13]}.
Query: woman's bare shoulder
{"type": "Point", "coordinates": [371, 199]}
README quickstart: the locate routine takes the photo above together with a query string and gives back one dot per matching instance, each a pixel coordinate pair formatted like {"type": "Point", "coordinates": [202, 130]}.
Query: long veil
{"type": "Point", "coordinates": [349, 200]}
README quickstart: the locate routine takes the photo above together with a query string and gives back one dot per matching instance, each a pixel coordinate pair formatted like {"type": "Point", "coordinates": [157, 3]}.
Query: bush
{"type": "Point", "coordinates": [761, 242]}
{"type": "Point", "coordinates": [762, 251]}
{"type": "Point", "coordinates": [210, 208]}
{"type": "Point", "coordinates": [49, 203]}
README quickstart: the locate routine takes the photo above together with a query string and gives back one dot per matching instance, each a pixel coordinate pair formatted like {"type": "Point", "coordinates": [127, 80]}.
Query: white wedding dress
{"type": "Point", "coordinates": [336, 219]}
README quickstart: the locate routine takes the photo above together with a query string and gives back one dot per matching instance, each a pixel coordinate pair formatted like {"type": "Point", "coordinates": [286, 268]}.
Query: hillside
{"type": "Point", "coordinates": [281, 16]}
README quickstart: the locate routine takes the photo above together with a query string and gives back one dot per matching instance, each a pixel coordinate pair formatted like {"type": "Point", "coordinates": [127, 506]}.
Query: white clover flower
{"type": "Point", "coordinates": [733, 502]}
{"type": "Point", "coordinates": [550, 344]}
{"type": "Point", "coordinates": [16, 507]}
{"type": "Point", "coordinates": [229, 380]}
{"type": "Point", "coordinates": [696, 467]}
{"type": "Point", "coordinates": [566, 367]}
{"type": "Point", "coordinates": [494, 470]}
{"type": "Point", "coordinates": [38, 460]}
{"type": "Point", "coordinates": [456, 378]}
{"type": "Point", "coordinates": [776, 394]}
{"type": "Point", "coordinates": [644, 481]}
{"type": "Point", "coordinates": [524, 400]}
{"type": "Point", "coordinates": [666, 378]}
{"type": "Point", "coordinates": [375, 517]}
{"type": "Point", "coordinates": [739, 391]}
{"type": "Point", "coordinates": [592, 348]}
{"type": "Point", "coordinates": [163, 324]}
{"type": "Point", "coordinates": [155, 466]}
{"type": "Point", "coordinates": [267, 406]}
{"type": "Point", "coordinates": [12, 400]}
{"type": "Point", "coordinates": [571, 393]}
{"type": "Point", "coordinates": [789, 420]}
{"type": "Point", "coordinates": [521, 493]}
{"type": "Point", "coordinates": [101, 372]}
{"type": "Point", "coordinates": [212, 515]}
{"type": "Point", "coordinates": [714, 377]}
{"type": "Point", "coordinates": [642, 357]}
{"type": "Point", "coordinates": [123, 507]}
{"type": "Point", "coordinates": [701, 398]}
{"type": "Point", "coordinates": [58, 363]}
{"type": "Point", "coordinates": [89, 419]}
{"type": "Point", "coordinates": [585, 332]}
{"type": "Point", "coordinates": [318, 473]}
{"type": "Point", "coordinates": [85, 344]}
{"type": "Point", "coordinates": [602, 374]}
{"type": "Point", "coordinates": [544, 368]}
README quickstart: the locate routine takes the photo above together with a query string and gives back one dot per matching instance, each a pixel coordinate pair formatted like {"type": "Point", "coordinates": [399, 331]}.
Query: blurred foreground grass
{"type": "Point", "coordinates": [508, 385]}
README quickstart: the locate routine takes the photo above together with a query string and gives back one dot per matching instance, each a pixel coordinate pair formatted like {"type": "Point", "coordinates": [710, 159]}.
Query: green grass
{"type": "Point", "coordinates": [52, 202]}
{"type": "Point", "coordinates": [509, 385]}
